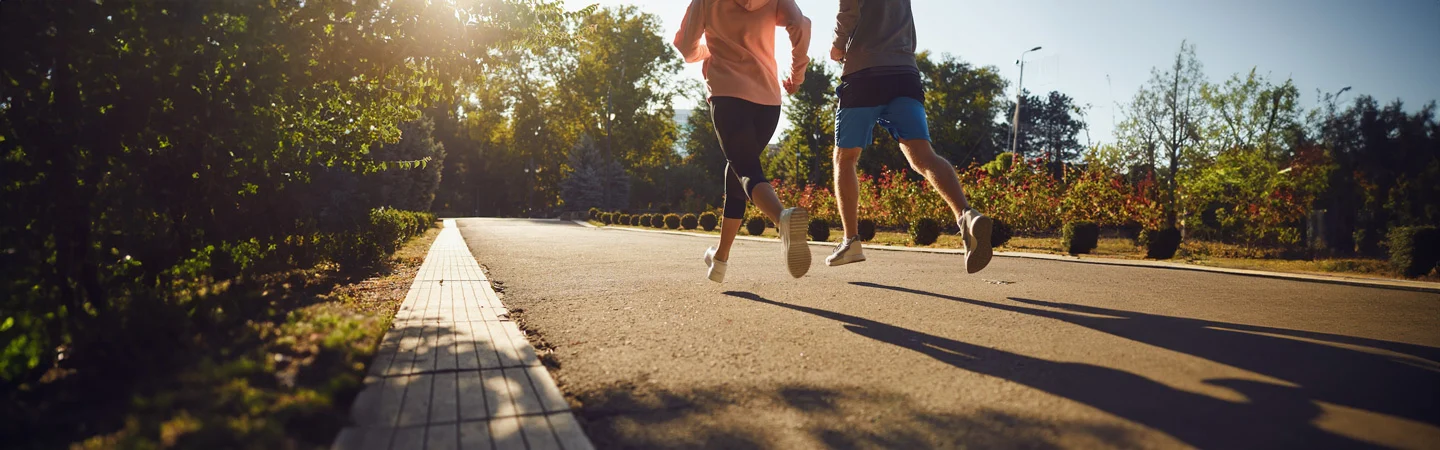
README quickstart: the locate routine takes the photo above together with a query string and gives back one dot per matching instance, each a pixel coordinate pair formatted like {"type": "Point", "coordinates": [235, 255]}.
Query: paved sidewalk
{"type": "Point", "coordinates": [455, 372]}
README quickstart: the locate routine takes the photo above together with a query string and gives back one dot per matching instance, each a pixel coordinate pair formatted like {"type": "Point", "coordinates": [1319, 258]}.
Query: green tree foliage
{"type": "Point", "coordinates": [611, 79]}
{"type": "Point", "coordinates": [1050, 128]}
{"type": "Point", "coordinates": [1388, 168]}
{"type": "Point", "coordinates": [145, 145]}
{"type": "Point", "coordinates": [1250, 112]}
{"type": "Point", "coordinates": [594, 181]}
{"type": "Point", "coordinates": [616, 82]}
{"type": "Point", "coordinates": [411, 168]}
{"type": "Point", "coordinates": [703, 165]}
{"type": "Point", "coordinates": [1164, 123]}
{"type": "Point", "coordinates": [806, 146]}
{"type": "Point", "coordinates": [961, 103]}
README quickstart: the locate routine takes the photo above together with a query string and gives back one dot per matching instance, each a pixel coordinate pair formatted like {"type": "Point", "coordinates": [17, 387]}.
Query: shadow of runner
{"type": "Point", "coordinates": [1405, 386]}
{"type": "Point", "coordinates": [1275, 417]}
{"type": "Point", "coordinates": [730, 416]}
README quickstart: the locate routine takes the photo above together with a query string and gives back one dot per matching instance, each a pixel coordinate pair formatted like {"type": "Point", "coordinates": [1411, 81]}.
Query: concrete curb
{"type": "Point", "coordinates": [1404, 285]}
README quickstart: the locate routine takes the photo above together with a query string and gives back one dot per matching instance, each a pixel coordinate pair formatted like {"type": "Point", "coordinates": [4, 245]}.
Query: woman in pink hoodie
{"type": "Point", "coordinates": [740, 72]}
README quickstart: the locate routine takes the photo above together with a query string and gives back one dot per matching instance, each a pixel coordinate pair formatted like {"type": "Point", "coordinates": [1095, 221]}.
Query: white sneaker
{"type": "Point", "coordinates": [792, 226]}
{"type": "Point", "coordinates": [847, 252]}
{"type": "Point", "coordinates": [975, 229]}
{"type": "Point", "coordinates": [717, 267]}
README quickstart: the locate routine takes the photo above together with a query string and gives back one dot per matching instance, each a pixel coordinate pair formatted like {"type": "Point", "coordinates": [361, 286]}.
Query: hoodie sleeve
{"type": "Point", "coordinates": [845, 22]}
{"type": "Point", "coordinates": [788, 15]}
{"type": "Point", "coordinates": [687, 40]}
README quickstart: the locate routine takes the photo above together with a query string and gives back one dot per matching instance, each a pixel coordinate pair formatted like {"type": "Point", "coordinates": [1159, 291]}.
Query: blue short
{"type": "Point", "coordinates": [903, 117]}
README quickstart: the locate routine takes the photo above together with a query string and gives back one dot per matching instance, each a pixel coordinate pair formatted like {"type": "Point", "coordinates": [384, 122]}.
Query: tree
{"type": "Point", "coordinates": [961, 104]}
{"type": "Point", "coordinates": [806, 146]}
{"type": "Point", "coordinates": [412, 175]}
{"type": "Point", "coordinates": [616, 81]}
{"type": "Point", "coordinates": [1251, 113]}
{"type": "Point", "coordinates": [1164, 123]}
{"type": "Point", "coordinates": [704, 160]}
{"type": "Point", "coordinates": [147, 145]}
{"type": "Point", "coordinates": [1388, 168]}
{"type": "Point", "coordinates": [1050, 128]}
{"type": "Point", "coordinates": [594, 181]}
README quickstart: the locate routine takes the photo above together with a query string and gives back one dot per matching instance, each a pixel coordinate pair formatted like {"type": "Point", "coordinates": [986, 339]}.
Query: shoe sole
{"type": "Point", "coordinates": [977, 259]}
{"type": "Point", "coordinates": [844, 261]}
{"type": "Point", "coordinates": [797, 249]}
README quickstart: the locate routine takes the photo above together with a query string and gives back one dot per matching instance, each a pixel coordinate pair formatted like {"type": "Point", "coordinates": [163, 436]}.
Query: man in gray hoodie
{"type": "Point", "coordinates": [880, 84]}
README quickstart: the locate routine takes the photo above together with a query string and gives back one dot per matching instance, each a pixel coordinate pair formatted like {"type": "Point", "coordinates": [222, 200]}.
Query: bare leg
{"type": "Point", "coordinates": [764, 198]}
{"type": "Point", "coordinates": [938, 171]}
{"type": "Point", "coordinates": [728, 229]}
{"type": "Point", "coordinates": [847, 189]}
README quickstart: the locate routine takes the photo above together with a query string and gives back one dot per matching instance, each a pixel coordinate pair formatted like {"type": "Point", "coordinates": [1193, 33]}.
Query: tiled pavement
{"type": "Point", "coordinates": [454, 371]}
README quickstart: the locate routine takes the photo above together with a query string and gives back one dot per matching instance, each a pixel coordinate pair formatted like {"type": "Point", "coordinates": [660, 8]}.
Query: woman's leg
{"type": "Point", "coordinates": [744, 129]}
{"type": "Point", "coordinates": [733, 214]}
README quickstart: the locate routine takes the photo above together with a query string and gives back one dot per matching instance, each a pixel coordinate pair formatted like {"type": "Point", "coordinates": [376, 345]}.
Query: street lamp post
{"type": "Point", "coordinates": [1019, 93]}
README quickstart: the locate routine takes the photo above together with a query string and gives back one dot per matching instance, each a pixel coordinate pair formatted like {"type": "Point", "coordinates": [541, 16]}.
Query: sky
{"type": "Point", "coordinates": [1100, 52]}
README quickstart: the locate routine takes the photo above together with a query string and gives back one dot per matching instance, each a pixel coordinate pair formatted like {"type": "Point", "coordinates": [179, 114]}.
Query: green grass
{"type": "Point", "coordinates": [1210, 254]}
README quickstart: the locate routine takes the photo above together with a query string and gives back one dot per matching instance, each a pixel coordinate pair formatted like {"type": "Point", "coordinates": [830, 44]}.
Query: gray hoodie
{"type": "Point", "coordinates": [875, 33]}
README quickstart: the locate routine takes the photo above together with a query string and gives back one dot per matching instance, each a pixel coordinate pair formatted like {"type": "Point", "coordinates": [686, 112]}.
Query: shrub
{"type": "Point", "coordinates": [672, 221]}
{"type": "Point", "coordinates": [606, 218]}
{"type": "Point", "coordinates": [819, 230]}
{"type": "Point", "coordinates": [1160, 244]}
{"type": "Point", "coordinates": [689, 222]}
{"type": "Point", "coordinates": [924, 231]}
{"type": "Point", "coordinates": [622, 219]}
{"type": "Point", "coordinates": [594, 214]}
{"type": "Point", "coordinates": [370, 245]}
{"type": "Point", "coordinates": [867, 229]}
{"type": "Point", "coordinates": [657, 221]}
{"type": "Point", "coordinates": [1079, 237]}
{"type": "Point", "coordinates": [1001, 232]}
{"type": "Point", "coordinates": [755, 226]}
{"type": "Point", "coordinates": [1414, 251]}
{"type": "Point", "coordinates": [708, 221]}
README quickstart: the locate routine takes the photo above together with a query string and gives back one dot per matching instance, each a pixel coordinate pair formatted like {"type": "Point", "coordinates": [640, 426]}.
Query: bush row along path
{"type": "Point", "coordinates": [906, 351]}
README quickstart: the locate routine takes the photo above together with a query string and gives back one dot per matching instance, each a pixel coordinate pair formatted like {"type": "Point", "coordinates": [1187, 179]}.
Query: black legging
{"type": "Point", "coordinates": [744, 129]}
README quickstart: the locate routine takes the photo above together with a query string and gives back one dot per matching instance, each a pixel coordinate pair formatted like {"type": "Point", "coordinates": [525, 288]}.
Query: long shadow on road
{"type": "Point", "coordinates": [1404, 383]}
{"type": "Point", "coordinates": [1274, 417]}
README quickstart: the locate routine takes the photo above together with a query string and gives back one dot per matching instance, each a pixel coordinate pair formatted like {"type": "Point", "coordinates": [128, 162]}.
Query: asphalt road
{"type": "Point", "coordinates": [907, 351]}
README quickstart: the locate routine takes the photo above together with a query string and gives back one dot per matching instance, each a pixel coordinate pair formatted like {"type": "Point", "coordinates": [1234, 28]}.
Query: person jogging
{"type": "Point", "coordinates": [880, 83]}
{"type": "Point", "coordinates": [744, 87]}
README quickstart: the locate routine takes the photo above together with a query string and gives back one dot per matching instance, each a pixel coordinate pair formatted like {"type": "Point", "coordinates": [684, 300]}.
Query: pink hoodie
{"type": "Point", "coordinates": [739, 48]}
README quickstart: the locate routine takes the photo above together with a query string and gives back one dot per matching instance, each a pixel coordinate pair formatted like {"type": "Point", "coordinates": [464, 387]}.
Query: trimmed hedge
{"type": "Point", "coordinates": [755, 226]}
{"type": "Point", "coordinates": [594, 214]}
{"type": "Point", "coordinates": [867, 229]}
{"type": "Point", "coordinates": [689, 221]}
{"type": "Point", "coordinates": [607, 218]}
{"type": "Point", "coordinates": [657, 221]}
{"type": "Point", "coordinates": [819, 230]}
{"type": "Point", "coordinates": [924, 231]}
{"type": "Point", "coordinates": [1078, 237]}
{"type": "Point", "coordinates": [672, 221]}
{"type": "Point", "coordinates": [1160, 244]}
{"type": "Point", "coordinates": [1414, 251]}
{"type": "Point", "coordinates": [383, 232]}
{"type": "Point", "coordinates": [708, 221]}
{"type": "Point", "coordinates": [1000, 232]}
